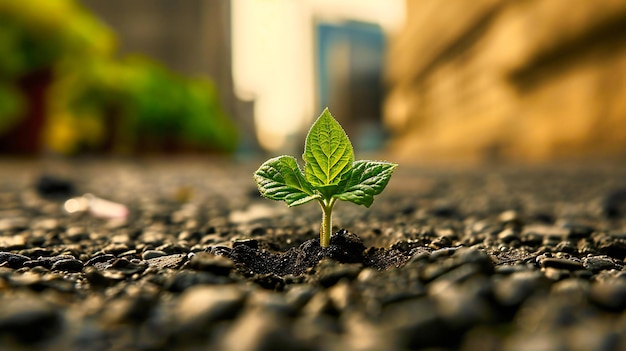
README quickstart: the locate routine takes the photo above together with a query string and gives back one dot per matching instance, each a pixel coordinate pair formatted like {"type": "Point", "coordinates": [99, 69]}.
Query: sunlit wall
{"type": "Point", "coordinates": [491, 80]}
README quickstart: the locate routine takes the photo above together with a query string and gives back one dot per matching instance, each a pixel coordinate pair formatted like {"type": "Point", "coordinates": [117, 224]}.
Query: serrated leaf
{"type": "Point", "coordinates": [281, 179]}
{"type": "Point", "coordinates": [366, 179]}
{"type": "Point", "coordinates": [328, 153]}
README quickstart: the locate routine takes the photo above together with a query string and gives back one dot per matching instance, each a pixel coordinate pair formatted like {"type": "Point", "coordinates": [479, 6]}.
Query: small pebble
{"type": "Point", "coordinates": [148, 254]}
{"type": "Point", "coordinates": [330, 272]}
{"type": "Point", "coordinates": [100, 259]}
{"type": "Point", "coordinates": [508, 235]}
{"type": "Point", "coordinates": [561, 263]}
{"type": "Point", "coordinates": [599, 263]}
{"type": "Point", "coordinates": [68, 265]}
{"type": "Point", "coordinates": [517, 287]}
{"type": "Point", "coordinates": [556, 274]}
{"type": "Point", "coordinates": [256, 331]}
{"type": "Point", "coordinates": [609, 294]}
{"type": "Point", "coordinates": [28, 321]}
{"type": "Point", "coordinates": [215, 264]}
{"type": "Point", "coordinates": [169, 261]}
{"type": "Point", "coordinates": [13, 260]}
{"type": "Point", "coordinates": [201, 305]}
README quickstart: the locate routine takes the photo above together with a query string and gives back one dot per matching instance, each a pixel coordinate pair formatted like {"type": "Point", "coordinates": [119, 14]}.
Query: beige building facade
{"type": "Point", "coordinates": [529, 80]}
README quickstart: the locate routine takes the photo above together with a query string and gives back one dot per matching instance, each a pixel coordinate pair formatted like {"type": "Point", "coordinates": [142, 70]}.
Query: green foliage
{"type": "Point", "coordinates": [97, 102]}
{"type": "Point", "coordinates": [147, 102]}
{"type": "Point", "coordinates": [11, 105]}
{"type": "Point", "coordinates": [328, 152]}
{"type": "Point", "coordinates": [330, 173]}
{"type": "Point", "coordinates": [167, 104]}
{"type": "Point", "coordinates": [36, 35]}
{"type": "Point", "coordinates": [366, 179]}
{"type": "Point", "coordinates": [281, 179]}
{"type": "Point", "coordinates": [206, 123]}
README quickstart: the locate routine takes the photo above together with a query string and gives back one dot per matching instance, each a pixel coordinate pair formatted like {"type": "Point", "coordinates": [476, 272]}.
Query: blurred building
{"type": "Point", "coordinates": [294, 58]}
{"type": "Point", "coordinates": [518, 79]}
{"type": "Point", "coordinates": [191, 37]}
{"type": "Point", "coordinates": [277, 63]}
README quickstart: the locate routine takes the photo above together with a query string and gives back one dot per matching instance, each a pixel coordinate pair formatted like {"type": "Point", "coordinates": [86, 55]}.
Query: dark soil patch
{"type": "Point", "coordinates": [345, 247]}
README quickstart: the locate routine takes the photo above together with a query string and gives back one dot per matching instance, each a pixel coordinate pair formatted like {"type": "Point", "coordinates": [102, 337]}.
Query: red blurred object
{"type": "Point", "coordinates": [25, 138]}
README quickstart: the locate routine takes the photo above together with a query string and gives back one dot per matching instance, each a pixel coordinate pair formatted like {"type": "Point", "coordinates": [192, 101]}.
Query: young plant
{"type": "Point", "coordinates": [330, 174]}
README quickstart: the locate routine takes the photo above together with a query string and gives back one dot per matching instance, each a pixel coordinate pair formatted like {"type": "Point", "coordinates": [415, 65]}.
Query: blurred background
{"type": "Point", "coordinates": [412, 80]}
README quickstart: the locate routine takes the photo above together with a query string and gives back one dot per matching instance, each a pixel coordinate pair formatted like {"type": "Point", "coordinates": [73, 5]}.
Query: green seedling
{"type": "Point", "coordinates": [330, 174]}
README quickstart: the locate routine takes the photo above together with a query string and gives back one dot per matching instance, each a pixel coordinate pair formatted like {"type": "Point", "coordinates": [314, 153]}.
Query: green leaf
{"type": "Point", "coordinates": [366, 179]}
{"type": "Point", "coordinates": [327, 152]}
{"type": "Point", "coordinates": [281, 179]}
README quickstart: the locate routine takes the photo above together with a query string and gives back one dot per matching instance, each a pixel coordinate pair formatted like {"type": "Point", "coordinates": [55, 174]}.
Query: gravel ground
{"type": "Point", "coordinates": [446, 259]}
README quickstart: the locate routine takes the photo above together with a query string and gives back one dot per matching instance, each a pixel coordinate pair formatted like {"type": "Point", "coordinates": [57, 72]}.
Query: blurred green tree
{"type": "Point", "coordinates": [60, 84]}
{"type": "Point", "coordinates": [34, 37]}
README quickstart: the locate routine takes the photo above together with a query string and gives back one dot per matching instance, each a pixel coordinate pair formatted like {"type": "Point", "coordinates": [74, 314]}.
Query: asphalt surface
{"type": "Point", "coordinates": [163, 254]}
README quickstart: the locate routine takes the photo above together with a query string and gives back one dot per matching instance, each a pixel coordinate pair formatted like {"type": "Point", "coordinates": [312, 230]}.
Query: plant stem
{"type": "Point", "coordinates": [327, 217]}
